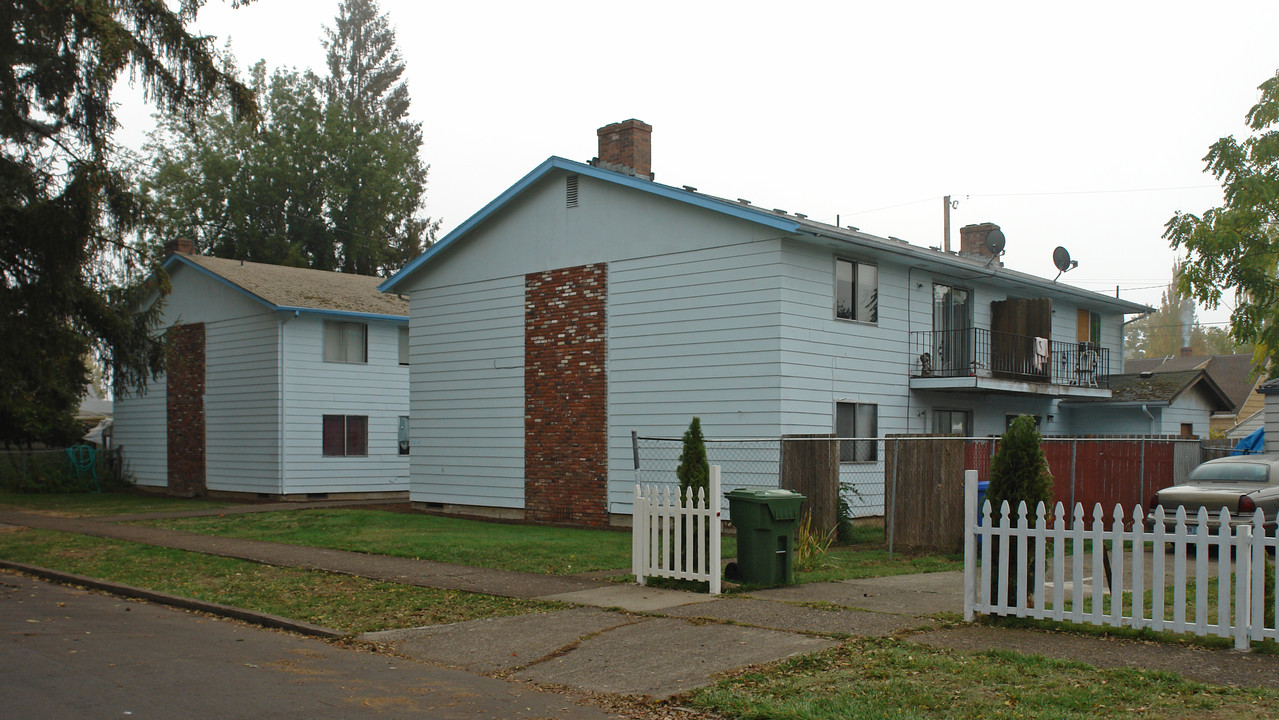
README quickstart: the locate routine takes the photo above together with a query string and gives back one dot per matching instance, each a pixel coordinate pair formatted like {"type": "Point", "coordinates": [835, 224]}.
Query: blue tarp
{"type": "Point", "coordinates": [1253, 444]}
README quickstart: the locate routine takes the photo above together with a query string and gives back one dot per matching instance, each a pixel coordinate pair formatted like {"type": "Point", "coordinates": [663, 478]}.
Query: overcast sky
{"type": "Point", "coordinates": [1082, 125]}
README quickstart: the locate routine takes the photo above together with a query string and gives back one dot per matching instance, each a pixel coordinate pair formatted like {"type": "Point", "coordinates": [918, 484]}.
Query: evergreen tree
{"type": "Point", "coordinates": [694, 471]}
{"type": "Point", "coordinates": [1018, 473]}
{"type": "Point", "coordinates": [381, 178]}
{"type": "Point", "coordinates": [68, 201]}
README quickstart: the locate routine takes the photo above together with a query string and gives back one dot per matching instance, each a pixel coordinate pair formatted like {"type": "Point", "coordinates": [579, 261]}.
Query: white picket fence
{"type": "Point", "coordinates": [1098, 552]}
{"type": "Point", "coordinates": [664, 529]}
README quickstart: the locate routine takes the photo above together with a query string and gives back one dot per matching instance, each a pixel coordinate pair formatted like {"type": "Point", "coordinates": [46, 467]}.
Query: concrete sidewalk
{"type": "Point", "coordinates": [624, 638]}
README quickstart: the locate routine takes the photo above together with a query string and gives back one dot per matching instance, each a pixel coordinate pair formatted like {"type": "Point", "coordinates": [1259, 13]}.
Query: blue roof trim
{"type": "Point", "coordinates": [174, 259]}
{"type": "Point", "coordinates": [342, 313]}
{"type": "Point", "coordinates": [553, 163]}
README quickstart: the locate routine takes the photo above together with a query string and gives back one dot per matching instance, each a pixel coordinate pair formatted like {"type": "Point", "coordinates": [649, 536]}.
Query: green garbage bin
{"type": "Point", "coordinates": [765, 522]}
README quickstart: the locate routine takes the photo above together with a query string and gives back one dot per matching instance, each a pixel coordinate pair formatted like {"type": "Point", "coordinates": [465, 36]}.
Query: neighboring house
{"type": "Point", "coordinates": [1248, 425]}
{"type": "Point", "coordinates": [281, 382]}
{"type": "Point", "coordinates": [1232, 373]}
{"type": "Point", "coordinates": [588, 301]}
{"type": "Point", "coordinates": [1269, 390]}
{"type": "Point", "coordinates": [1148, 403]}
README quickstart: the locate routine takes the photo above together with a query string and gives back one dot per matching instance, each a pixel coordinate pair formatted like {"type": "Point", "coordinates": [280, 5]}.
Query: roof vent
{"type": "Point", "coordinates": [570, 191]}
{"type": "Point", "coordinates": [1146, 374]}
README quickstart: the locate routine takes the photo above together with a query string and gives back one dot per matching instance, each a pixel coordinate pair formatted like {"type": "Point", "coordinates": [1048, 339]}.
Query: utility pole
{"type": "Point", "coordinates": [946, 222]}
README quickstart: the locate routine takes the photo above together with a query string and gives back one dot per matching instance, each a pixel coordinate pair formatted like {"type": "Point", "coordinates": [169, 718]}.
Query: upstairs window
{"type": "Point", "coordinates": [346, 342]}
{"type": "Point", "coordinates": [404, 346]}
{"type": "Point", "coordinates": [856, 291]}
{"type": "Point", "coordinates": [857, 420]}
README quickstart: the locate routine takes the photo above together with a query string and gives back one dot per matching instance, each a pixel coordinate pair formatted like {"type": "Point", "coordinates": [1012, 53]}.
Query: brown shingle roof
{"type": "Point", "coordinates": [302, 288]}
{"type": "Point", "coordinates": [1163, 387]}
{"type": "Point", "coordinates": [1232, 373]}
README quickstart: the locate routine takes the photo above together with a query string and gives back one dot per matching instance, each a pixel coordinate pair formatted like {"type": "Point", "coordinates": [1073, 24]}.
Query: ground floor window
{"type": "Point", "coordinates": [404, 434]}
{"type": "Point", "coordinates": [346, 435]}
{"type": "Point", "coordinates": [953, 422]}
{"type": "Point", "coordinates": [857, 420]}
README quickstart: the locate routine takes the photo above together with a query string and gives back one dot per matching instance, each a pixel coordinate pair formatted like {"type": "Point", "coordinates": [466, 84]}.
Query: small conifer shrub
{"type": "Point", "coordinates": [694, 470]}
{"type": "Point", "coordinates": [1018, 473]}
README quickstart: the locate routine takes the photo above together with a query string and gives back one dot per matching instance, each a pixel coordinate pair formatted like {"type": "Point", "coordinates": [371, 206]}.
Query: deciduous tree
{"type": "Point", "coordinates": [1235, 247]}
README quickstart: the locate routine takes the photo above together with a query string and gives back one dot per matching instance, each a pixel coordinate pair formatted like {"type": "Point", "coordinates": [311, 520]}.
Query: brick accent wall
{"type": "Point", "coordinates": [566, 396]}
{"type": "Point", "coordinates": [185, 396]}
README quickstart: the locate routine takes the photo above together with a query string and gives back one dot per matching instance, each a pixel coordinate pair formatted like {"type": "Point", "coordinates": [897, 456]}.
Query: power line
{"type": "Point", "coordinates": [1095, 192]}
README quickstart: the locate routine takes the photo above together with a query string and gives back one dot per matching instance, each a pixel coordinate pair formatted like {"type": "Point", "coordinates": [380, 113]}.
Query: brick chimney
{"type": "Point", "coordinates": [972, 241]}
{"type": "Point", "coordinates": [626, 147]}
{"type": "Point", "coordinates": [181, 245]}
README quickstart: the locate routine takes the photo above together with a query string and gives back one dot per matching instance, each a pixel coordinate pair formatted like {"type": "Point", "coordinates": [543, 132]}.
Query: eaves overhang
{"type": "Point", "coordinates": [924, 258]}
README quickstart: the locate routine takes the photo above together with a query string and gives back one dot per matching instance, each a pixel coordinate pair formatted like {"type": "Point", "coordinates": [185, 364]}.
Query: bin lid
{"type": "Point", "coordinates": [763, 494]}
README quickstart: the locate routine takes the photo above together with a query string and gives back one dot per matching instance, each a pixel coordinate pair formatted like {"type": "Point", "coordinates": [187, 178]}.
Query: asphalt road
{"type": "Point", "coordinates": [71, 653]}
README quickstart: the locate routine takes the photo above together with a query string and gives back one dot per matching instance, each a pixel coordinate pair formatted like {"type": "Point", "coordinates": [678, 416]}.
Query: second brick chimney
{"type": "Point", "coordinates": [626, 147]}
{"type": "Point", "coordinates": [181, 245]}
{"type": "Point", "coordinates": [972, 241]}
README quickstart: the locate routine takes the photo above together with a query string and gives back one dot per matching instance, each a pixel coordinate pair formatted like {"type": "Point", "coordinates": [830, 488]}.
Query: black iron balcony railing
{"type": "Point", "coordinates": [975, 352]}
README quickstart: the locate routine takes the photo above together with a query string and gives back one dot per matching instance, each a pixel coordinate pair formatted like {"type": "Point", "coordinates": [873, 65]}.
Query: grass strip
{"type": "Point", "coordinates": [341, 602]}
{"type": "Point", "coordinates": [100, 504]}
{"type": "Point", "coordinates": [524, 548]}
{"type": "Point", "coordinates": [889, 678]}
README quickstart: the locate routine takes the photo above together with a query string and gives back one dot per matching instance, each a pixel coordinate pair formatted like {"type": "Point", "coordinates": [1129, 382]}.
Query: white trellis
{"type": "Point", "coordinates": [665, 530]}
{"type": "Point", "coordinates": [1114, 593]}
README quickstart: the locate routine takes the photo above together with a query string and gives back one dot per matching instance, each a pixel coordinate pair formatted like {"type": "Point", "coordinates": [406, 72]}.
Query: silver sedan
{"type": "Point", "coordinates": [1241, 484]}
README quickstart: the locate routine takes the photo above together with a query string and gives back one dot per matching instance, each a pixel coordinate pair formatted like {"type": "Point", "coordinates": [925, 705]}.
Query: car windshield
{"type": "Point", "coordinates": [1231, 472]}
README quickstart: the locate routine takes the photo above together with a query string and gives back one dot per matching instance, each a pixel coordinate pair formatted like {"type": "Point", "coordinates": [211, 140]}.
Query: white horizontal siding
{"type": "Point", "coordinates": [242, 405]}
{"type": "Point", "coordinates": [314, 388]}
{"type": "Point", "coordinates": [827, 360]}
{"type": "Point", "coordinates": [467, 394]}
{"type": "Point", "coordinates": [141, 432]}
{"type": "Point", "coordinates": [692, 334]}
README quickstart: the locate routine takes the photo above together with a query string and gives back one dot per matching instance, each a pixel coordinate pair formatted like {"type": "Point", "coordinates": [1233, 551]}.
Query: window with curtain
{"type": "Point", "coordinates": [345, 342]}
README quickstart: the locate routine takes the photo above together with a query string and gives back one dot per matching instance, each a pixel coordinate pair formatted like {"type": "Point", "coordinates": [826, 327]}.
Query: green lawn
{"type": "Point", "coordinates": [99, 504]}
{"type": "Point", "coordinates": [525, 548]}
{"type": "Point", "coordinates": [888, 678]}
{"type": "Point", "coordinates": [341, 602]}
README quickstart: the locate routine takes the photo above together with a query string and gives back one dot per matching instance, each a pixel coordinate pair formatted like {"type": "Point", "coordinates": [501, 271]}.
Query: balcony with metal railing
{"type": "Point", "coordinates": [984, 360]}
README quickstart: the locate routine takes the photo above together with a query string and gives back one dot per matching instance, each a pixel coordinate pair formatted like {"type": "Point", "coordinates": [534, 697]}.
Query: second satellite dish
{"type": "Point", "coordinates": [1061, 258]}
{"type": "Point", "coordinates": [995, 242]}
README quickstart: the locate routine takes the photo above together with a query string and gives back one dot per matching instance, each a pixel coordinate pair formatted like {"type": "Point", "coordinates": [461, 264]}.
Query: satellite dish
{"type": "Point", "coordinates": [1061, 258]}
{"type": "Point", "coordinates": [995, 241]}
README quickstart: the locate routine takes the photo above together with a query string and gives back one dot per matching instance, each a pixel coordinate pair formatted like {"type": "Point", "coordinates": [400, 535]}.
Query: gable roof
{"type": "Point", "coordinates": [1232, 373]}
{"type": "Point", "coordinates": [1162, 388]}
{"type": "Point", "coordinates": [797, 225]}
{"type": "Point", "coordinates": [303, 290]}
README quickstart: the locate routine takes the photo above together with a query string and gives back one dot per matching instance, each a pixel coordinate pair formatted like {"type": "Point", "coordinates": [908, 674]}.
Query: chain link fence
{"type": "Point", "coordinates": [49, 470]}
{"type": "Point", "coordinates": [756, 463]}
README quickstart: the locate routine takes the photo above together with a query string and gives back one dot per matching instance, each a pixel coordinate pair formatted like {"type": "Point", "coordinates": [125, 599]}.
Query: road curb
{"type": "Point", "coordinates": [256, 618]}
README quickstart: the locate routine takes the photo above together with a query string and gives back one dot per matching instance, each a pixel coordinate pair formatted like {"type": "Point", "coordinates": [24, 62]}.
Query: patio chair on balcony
{"type": "Point", "coordinates": [1086, 371]}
